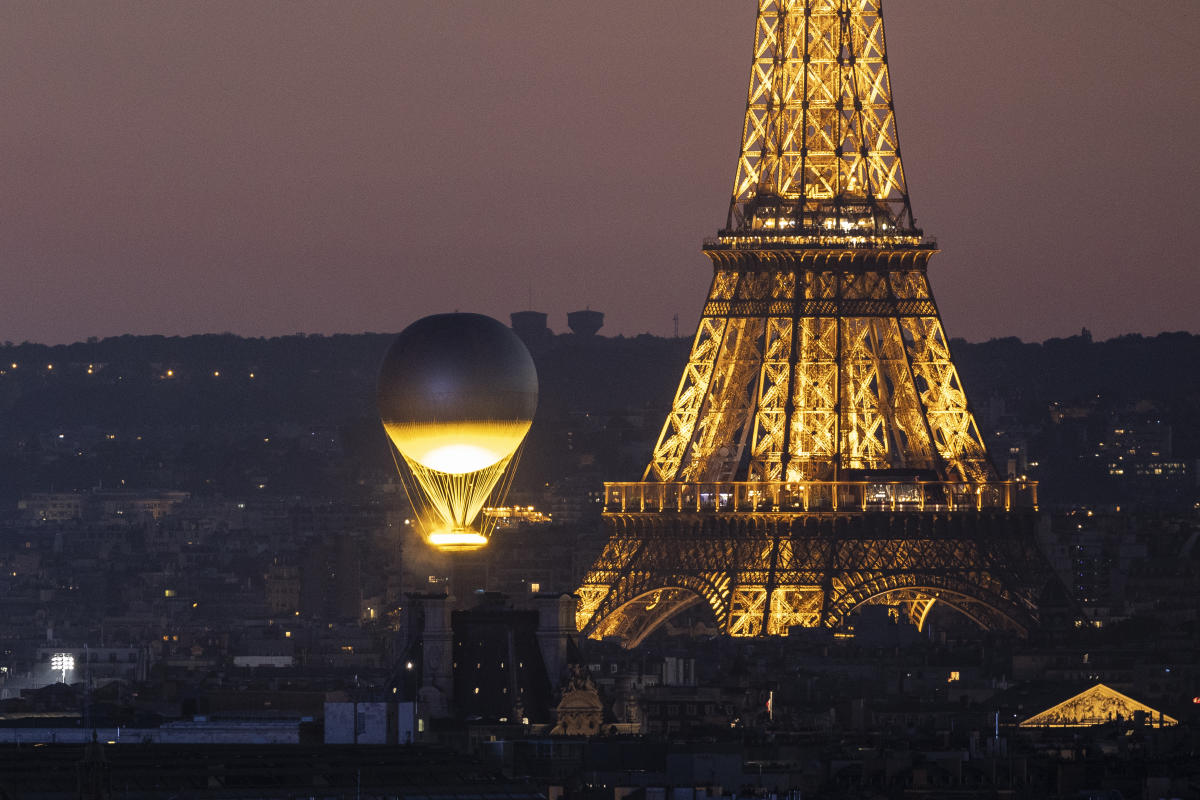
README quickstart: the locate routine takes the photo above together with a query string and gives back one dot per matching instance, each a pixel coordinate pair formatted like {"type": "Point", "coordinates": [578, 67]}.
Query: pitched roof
{"type": "Point", "coordinates": [1095, 706]}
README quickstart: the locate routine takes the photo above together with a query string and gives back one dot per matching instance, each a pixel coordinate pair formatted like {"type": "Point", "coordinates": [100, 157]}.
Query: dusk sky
{"type": "Point", "coordinates": [272, 167]}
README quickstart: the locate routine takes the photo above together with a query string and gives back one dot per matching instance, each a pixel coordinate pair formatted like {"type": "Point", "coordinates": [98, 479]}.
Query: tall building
{"type": "Point", "coordinates": [820, 453]}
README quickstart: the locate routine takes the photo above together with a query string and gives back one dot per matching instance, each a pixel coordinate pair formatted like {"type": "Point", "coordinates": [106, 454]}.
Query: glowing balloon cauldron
{"type": "Point", "coordinates": [456, 395]}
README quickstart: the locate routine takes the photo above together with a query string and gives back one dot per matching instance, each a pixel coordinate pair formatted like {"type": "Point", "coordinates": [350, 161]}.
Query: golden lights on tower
{"type": "Point", "coordinates": [820, 157]}
{"type": "Point", "coordinates": [820, 386]}
{"type": "Point", "coordinates": [456, 395]}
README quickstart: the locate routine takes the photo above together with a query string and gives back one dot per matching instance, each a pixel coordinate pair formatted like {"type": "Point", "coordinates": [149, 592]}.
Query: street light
{"type": "Point", "coordinates": [62, 662]}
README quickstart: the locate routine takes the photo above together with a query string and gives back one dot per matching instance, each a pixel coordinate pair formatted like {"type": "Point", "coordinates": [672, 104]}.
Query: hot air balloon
{"type": "Point", "coordinates": [456, 395]}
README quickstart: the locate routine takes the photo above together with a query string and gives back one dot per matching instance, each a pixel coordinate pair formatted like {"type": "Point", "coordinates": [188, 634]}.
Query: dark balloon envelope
{"type": "Point", "coordinates": [457, 392]}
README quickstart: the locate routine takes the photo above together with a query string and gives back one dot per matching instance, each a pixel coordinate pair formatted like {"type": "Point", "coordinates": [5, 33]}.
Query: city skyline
{"type": "Point", "coordinates": [271, 169]}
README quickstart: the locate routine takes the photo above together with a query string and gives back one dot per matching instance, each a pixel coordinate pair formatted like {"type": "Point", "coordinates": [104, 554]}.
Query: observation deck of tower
{"type": "Point", "coordinates": [820, 453]}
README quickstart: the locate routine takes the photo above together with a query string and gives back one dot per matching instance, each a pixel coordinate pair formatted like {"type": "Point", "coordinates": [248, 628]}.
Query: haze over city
{"type": "Point", "coordinates": [274, 525]}
{"type": "Point", "coordinates": [272, 168]}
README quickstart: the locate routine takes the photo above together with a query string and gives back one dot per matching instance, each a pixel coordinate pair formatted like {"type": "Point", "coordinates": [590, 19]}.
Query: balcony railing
{"type": "Point", "coordinates": [813, 496]}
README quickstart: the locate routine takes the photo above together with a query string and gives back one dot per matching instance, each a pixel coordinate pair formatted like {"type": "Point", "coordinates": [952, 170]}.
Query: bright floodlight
{"type": "Point", "coordinates": [456, 395]}
{"type": "Point", "coordinates": [62, 662]}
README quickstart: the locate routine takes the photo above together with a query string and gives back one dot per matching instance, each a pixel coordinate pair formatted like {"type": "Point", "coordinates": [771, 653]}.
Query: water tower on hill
{"type": "Point", "coordinates": [531, 327]}
{"type": "Point", "coordinates": [585, 323]}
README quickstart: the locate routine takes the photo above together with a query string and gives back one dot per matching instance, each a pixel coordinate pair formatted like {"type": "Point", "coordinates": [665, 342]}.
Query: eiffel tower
{"type": "Point", "coordinates": [820, 453]}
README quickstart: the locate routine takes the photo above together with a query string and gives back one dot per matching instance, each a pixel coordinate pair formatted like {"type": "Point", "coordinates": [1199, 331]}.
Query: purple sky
{"type": "Point", "coordinates": [266, 168]}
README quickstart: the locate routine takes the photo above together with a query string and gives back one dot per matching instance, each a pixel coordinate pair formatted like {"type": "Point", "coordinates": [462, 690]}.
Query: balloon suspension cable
{"type": "Point", "coordinates": [502, 486]}
{"type": "Point", "coordinates": [450, 502]}
{"type": "Point", "coordinates": [420, 506]}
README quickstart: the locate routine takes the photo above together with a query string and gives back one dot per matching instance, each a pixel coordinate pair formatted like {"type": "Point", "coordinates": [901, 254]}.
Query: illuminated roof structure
{"type": "Point", "coordinates": [1096, 706]}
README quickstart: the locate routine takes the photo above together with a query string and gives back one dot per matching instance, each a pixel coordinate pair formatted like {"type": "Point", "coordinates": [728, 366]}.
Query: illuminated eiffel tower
{"type": "Point", "coordinates": [820, 453]}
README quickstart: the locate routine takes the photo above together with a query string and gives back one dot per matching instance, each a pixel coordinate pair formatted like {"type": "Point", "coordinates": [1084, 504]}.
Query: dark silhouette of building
{"type": "Point", "coordinates": [531, 327]}
{"type": "Point", "coordinates": [586, 322]}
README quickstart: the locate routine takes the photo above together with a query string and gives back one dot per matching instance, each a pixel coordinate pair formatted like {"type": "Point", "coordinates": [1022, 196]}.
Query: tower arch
{"type": "Point", "coordinates": [636, 618]}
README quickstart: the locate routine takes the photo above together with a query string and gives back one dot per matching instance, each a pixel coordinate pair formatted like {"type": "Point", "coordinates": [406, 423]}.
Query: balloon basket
{"type": "Point", "coordinates": [457, 539]}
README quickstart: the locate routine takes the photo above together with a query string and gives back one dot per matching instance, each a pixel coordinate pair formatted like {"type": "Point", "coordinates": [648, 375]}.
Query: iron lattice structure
{"type": "Point", "coordinates": [820, 452]}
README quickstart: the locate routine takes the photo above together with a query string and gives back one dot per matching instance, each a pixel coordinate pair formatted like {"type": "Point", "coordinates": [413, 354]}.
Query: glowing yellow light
{"type": "Point", "coordinates": [457, 464]}
{"type": "Point", "coordinates": [459, 447]}
{"type": "Point", "coordinates": [216, 373]}
{"type": "Point", "coordinates": [458, 459]}
{"type": "Point", "coordinates": [462, 539]}
{"type": "Point", "coordinates": [451, 501]}
{"type": "Point", "coordinates": [170, 373]}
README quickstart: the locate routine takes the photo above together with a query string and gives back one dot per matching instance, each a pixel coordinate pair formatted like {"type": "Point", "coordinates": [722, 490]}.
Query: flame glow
{"type": "Point", "coordinates": [457, 448]}
{"type": "Point", "coordinates": [460, 539]}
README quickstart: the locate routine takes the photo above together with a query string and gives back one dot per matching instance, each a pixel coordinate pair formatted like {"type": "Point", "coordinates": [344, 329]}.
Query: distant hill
{"type": "Point", "coordinates": [1158, 373]}
{"type": "Point", "coordinates": [187, 412]}
{"type": "Point", "coordinates": [214, 410]}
